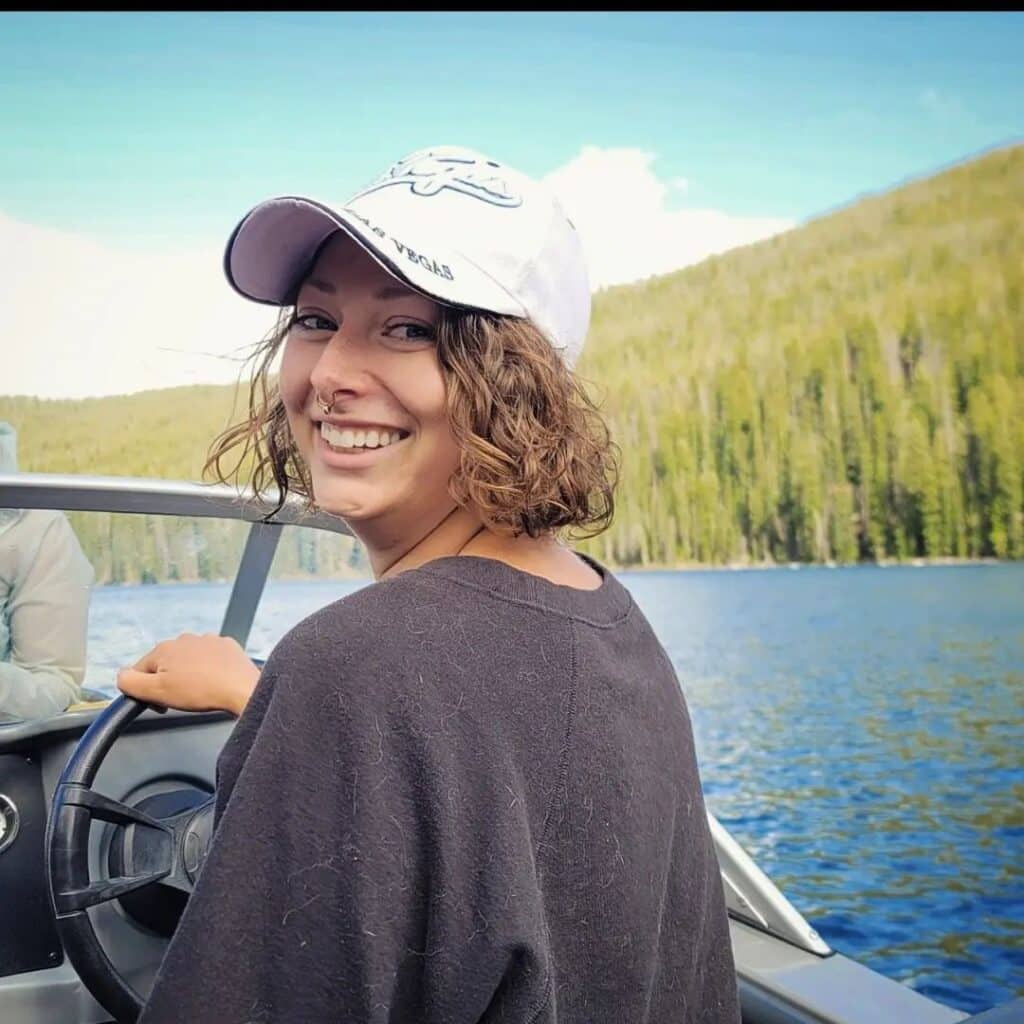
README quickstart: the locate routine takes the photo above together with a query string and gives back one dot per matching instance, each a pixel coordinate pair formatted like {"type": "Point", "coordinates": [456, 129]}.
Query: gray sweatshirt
{"type": "Point", "coordinates": [45, 582]}
{"type": "Point", "coordinates": [466, 794]}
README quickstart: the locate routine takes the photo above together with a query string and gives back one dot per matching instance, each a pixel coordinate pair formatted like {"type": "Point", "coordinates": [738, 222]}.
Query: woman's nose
{"type": "Point", "coordinates": [340, 370]}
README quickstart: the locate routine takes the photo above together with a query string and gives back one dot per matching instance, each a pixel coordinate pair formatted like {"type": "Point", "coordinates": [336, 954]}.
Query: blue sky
{"type": "Point", "coordinates": [151, 123]}
{"type": "Point", "coordinates": [133, 143]}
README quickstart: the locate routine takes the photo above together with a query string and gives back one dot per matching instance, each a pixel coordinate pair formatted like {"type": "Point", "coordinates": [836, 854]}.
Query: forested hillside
{"type": "Point", "coordinates": [851, 390]}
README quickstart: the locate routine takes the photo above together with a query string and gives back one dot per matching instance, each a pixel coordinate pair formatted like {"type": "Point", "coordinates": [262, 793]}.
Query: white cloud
{"type": "Point", "coordinates": [84, 319]}
{"type": "Point", "coordinates": [619, 206]}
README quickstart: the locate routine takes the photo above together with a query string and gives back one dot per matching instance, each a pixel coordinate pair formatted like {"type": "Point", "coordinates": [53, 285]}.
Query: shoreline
{"type": "Point", "coordinates": [913, 563]}
{"type": "Point", "coordinates": [889, 563]}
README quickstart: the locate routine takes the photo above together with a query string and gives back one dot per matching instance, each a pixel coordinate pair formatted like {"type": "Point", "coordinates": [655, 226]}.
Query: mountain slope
{"type": "Point", "coordinates": [853, 389]}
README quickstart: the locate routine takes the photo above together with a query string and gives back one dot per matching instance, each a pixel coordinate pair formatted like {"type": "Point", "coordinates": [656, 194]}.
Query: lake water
{"type": "Point", "coordinates": [860, 732]}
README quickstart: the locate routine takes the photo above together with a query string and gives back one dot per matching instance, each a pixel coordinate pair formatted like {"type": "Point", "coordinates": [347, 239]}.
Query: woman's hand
{"type": "Point", "coordinates": [193, 673]}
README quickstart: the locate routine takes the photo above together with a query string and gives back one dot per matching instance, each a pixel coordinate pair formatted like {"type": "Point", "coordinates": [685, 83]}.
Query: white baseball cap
{"type": "Point", "coordinates": [457, 226]}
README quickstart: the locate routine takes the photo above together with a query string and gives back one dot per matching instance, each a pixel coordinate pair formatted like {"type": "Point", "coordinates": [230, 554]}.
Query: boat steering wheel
{"type": "Point", "coordinates": [165, 844]}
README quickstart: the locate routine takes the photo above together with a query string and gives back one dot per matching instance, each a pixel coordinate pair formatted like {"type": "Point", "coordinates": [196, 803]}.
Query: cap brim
{"type": "Point", "coordinates": [274, 245]}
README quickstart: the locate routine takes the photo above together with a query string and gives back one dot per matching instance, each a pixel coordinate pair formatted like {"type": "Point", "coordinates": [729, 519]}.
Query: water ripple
{"type": "Point", "coordinates": [860, 732]}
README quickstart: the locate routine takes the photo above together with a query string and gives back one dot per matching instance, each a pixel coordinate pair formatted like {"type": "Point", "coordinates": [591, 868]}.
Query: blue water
{"type": "Point", "coordinates": [860, 732]}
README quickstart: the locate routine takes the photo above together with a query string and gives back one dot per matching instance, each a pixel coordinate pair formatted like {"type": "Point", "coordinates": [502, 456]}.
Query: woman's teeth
{"type": "Point", "coordinates": [346, 438]}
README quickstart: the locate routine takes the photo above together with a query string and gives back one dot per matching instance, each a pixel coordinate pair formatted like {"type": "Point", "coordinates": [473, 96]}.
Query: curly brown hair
{"type": "Point", "coordinates": [536, 453]}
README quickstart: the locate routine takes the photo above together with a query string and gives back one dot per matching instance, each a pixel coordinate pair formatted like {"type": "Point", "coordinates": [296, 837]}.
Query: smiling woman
{"type": "Point", "coordinates": [477, 408]}
{"type": "Point", "coordinates": [487, 805]}
{"type": "Point", "coordinates": [361, 357]}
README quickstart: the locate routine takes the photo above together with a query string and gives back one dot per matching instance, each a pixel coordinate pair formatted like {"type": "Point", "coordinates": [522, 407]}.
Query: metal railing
{"type": "Point", "coordinates": [71, 493]}
{"type": "Point", "coordinates": [140, 496]}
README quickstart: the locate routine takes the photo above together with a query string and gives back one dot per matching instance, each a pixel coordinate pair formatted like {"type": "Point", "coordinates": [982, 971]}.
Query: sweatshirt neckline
{"type": "Point", "coordinates": [602, 605]}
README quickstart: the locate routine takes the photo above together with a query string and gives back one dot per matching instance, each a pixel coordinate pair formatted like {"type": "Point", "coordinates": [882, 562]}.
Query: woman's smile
{"type": "Point", "coordinates": [353, 456]}
{"type": "Point", "coordinates": [364, 393]}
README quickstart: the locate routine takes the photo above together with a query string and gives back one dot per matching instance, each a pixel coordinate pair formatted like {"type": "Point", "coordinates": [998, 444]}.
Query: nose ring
{"type": "Point", "coordinates": [325, 408]}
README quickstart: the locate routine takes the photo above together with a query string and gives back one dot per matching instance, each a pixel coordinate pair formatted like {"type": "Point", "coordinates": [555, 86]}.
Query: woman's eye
{"type": "Point", "coordinates": [312, 322]}
{"type": "Point", "coordinates": [411, 332]}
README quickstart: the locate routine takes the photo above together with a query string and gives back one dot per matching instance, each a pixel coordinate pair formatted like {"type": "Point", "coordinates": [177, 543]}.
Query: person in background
{"type": "Point", "coordinates": [45, 581]}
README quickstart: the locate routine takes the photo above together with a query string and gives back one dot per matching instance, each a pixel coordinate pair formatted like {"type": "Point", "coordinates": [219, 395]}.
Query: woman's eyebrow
{"type": "Point", "coordinates": [322, 286]}
{"type": "Point", "coordinates": [393, 292]}
{"type": "Point", "coordinates": [387, 292]}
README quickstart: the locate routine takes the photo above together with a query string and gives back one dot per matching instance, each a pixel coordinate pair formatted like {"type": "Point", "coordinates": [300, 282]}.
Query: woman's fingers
{"type": "Point", "coordinates": [159, 656]}
{"type": "Point", "coordinates": [138, 683]}
{"type": "Point", "coordinates": [148, 662]}
{"type": "Point", "coordinates": [141, 685]}
{"type": "Point", "coordinates": [194, 673]}
{"type": "Point", "coordinates": [166, 654]}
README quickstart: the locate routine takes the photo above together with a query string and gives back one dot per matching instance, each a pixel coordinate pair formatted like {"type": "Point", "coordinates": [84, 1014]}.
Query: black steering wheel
{"type": "Point", "coordinates": [163, 848]}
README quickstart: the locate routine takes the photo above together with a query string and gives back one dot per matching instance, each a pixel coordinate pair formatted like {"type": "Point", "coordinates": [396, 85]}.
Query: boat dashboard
{"type": "Point", "coordinates": [158, 754]}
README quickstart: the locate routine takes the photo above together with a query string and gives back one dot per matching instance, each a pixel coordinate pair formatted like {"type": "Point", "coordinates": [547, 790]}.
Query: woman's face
{"type": "Point", "coordinates": [361, 336]}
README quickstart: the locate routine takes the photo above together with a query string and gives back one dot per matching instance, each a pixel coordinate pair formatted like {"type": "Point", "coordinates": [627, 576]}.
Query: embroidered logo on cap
{"type": "Point", "coordinates": [427, 175]}
{"type": "Point", "coordinates": [440, 269]}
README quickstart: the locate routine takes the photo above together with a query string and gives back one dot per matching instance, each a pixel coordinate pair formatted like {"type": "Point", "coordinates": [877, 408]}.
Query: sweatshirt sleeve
{"type": "Point", "coordinates": [372, 858]}
{"type": "Point", "coordinates": [48, 613]}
